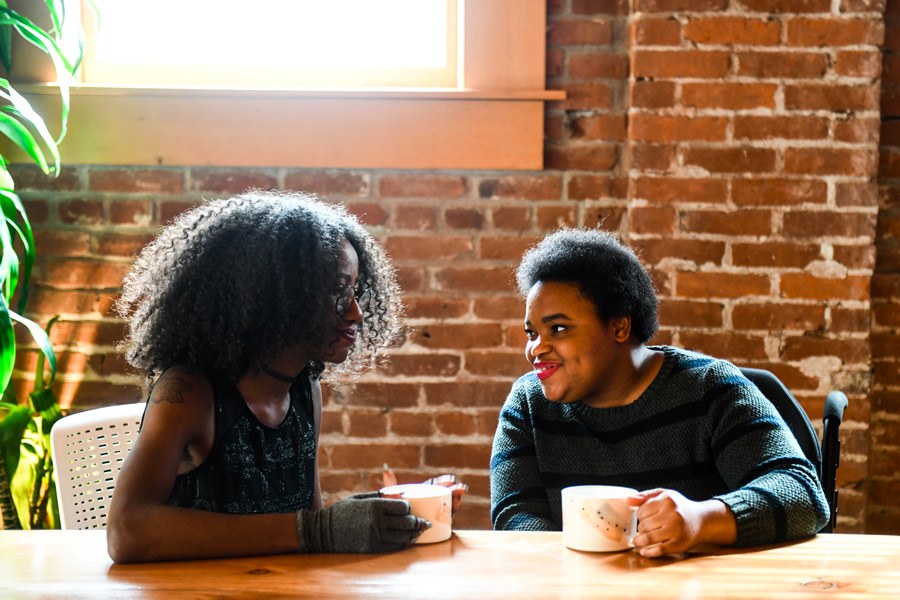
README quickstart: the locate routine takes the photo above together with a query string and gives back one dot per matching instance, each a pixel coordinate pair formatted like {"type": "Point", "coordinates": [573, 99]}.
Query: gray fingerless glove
{"type": "Point", "coordinates": [357, 525]}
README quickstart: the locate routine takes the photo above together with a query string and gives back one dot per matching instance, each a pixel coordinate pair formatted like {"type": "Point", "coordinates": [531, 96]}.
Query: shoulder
{"type": "Point", "coordinates": [181, 399]}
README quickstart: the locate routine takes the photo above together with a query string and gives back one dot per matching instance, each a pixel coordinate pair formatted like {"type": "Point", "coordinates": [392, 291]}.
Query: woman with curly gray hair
{"type": "Point", "coordinates": [233, 313]}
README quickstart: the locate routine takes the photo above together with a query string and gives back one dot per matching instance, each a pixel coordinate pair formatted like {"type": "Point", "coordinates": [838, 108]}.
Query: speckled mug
{"type": "Point", "coordinates": [597, 519]}
{"type": "Point", "coordinates": [430, 502]}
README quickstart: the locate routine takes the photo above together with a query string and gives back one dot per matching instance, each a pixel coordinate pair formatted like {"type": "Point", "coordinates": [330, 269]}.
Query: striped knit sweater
{"type": "Point", "coordinates": [700, 428]}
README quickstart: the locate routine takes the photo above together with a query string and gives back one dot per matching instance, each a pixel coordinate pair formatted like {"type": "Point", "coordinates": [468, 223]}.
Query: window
{"type": "Point", "coordinates": [492, 118]}
{"type": "Point", "coordinates": [386, 43]}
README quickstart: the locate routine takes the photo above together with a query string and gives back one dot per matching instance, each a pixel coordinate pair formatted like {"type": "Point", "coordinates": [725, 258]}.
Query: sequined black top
{"type": "Point", "coordinates": [253, 468]}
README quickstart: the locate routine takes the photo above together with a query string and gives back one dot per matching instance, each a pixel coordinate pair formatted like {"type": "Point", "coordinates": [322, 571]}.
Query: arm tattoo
{"type": "Point", "coordinates": [171, 390]}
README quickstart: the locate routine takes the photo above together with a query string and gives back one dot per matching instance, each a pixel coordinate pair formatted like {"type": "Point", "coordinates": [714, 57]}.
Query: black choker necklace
{"type": "Point", "coordinates": [276, 374]}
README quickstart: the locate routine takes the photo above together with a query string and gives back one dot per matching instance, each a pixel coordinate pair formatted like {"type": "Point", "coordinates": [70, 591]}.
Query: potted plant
{"type": "Point", "coordinates": [27, 489]}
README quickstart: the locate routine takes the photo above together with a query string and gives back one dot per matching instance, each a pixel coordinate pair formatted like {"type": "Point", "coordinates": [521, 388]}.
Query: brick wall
{"type": "Point", "coordinates": [735, 145]}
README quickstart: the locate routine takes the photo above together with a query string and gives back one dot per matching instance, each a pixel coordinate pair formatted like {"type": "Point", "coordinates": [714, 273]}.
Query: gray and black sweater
{"type": "Point", "coordinates": [701, 428]}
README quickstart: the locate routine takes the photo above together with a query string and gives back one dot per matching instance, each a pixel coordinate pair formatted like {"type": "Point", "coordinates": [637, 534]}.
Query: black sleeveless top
{"type": "Point", "coordinates": [253, 468]}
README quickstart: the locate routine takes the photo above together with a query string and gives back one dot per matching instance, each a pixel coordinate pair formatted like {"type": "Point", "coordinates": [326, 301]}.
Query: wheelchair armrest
{"type": "Point", "coordinates": [835, 404]}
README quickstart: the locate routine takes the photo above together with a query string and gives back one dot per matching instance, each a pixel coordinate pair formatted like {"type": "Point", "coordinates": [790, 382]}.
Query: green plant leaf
{"type": "Point", "coordinates": [5, 47]}
{"type": "Point", "coordinates": [21, 137]}
{"type": "Point", "coordinates": [41, 339]}
{"type": "Point", "coordinates": [39, 384]}
{"type": "Point", "coordinates": [7, 344]}
{"type": "Point", "coordinates": [23, 109]}
{"type": "Point", "coordinates": [12, 428]}
{"type": "Point", "coordinates": [14, 211]}
{"type": "Point", "coordinates": [57, 10]}
{"type": "Point", "coordinates": [29, 472]}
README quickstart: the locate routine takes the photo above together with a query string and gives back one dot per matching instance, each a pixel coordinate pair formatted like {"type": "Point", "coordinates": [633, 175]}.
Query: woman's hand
{"type": "Point", "coordinates": [669, 523]}
{"type": "Point", "coordinates": [457, 489]}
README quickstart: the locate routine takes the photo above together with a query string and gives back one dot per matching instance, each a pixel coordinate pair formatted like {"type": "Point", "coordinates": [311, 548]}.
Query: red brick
{"type": "Point", "coordinates": [522, 187]}
{"type": "Point", "coordinates": [338, 183]}
{"type": "Point", "coordinates": [579, 32]}
{"type": "Point", "coordinates": [859, 130]}
{"type": "Point", "coordinates": [738, 31]}
{"type": "Point", "coordinates": [599, 127]}
{"type": "Point", "coordinates": [794, 127]}
{"type": "Point", "coordinates": [497, 364]}
{"type": "Point", "coordinates": [607, 218]}
{"type": "Point", "coordinates": [655, 31]}
{"type": "Point", "coordinates": [49, 301]}
{"type": "Point", "coordinates": [109, 363]}
{"type": "Point", "coordinates": [30, 177]}
{"type": "Point", "coordinates": [80, 212]}
{"type": "Point", "coordinates": [597, 66]}
{"type": "Point", "coordinates": [774, 254]}
{"type": "Point", "coordinates": [515, 218]}
{"type": "Point", "coordinates": [788, 6]}
{"type": "Point", "coordinates": [652, 94]}
{"type": "Point", "coordinates": [660, 128]}
{"type": "Point", "coordinates": [555, 62]}
{"type": "Point", "coordinates": [332, 422]}
{"type": "Point", "coordinates": [169, 210]}
{"type": "Point", "coordinates": [507, 248]}
{"type": "Point", "coordinates": [858, 63]}
{"type": "Point", "coordinates": [69, 333]}
{"type": "Point", "coordinates": [464, 218]}
{"type": "Point", "coordinates": [62, 243]}
{"type": "Point", "coordinates": [585, 157]}
{"type": "Point", "coordinates": [831, 97]}
{"type": "Point", "coordinates": [85, 395]}
{"type": "Point", "coordinates": [410, 278]}
{"type": "Point", "coordinates": [428, 248]}
{"type": "Point", "coordinates": [499, 308]}
{"type": "Point", "coordinates": [584, 96]}
{"type": "Point", "coordinates": [672, 190]}
{"type": "Point", "coordinates": [414, 216]}
{"type": "Point", "coordinates": [422, 186]}
{"type": "Point", "coordinates": [741, 222]}
{"type": "Point", "coordinates": [131, 212]}
{"type": "Point", "coordinates": [731, 160]}
{"type": "Point", "coordinates": [810, 287]}
{"type": "Point", "coordinates": [435, 307]}
{"type": "Point", "coordinates": [467, 394]}
{"type": "Point", "coordinates": [827, 224]}
{"type": "Point", "coordinates": [680, 63]}
{"type": "Point", "coordinates": [452, 423]}
{"type": "Point", "coordinates": [136, 180]}
{"type": "Point", "coordinates": [699, 252]}
{"type": "Point", "coordinates": [889, 165]}
{"type": "Point", "coordinates": [655, 157]}
{"type": "Point", "coordinates": [833, 32]}
{"type": "Point", "coordinates": [85, 274]}
{"type": "Point", "coordinates": [786, 65]}
{"type": "Point", "coordinates": [385, 395]}
{"type": "Point", "coordinates": [368, 213]}
{"type": "Point", "coordinates": [734, 96]}
{"type": "Point", "coordinates": [551, 218]}
{"type": "Point", "coordinates": [38, 210]}
{"type": "Point", "coordinates": [652, 219]}
{"type": "Point", "coordinates": [466, 456]}
{"type": "Point", "coordinates": [830, 161]}
{"type": "Point", "coordinates": [361, 456]}
{"type": "Point", "coordinates": [690, 313]}
{"type": "Point", "coordinates": [667, 6]}
{"type": "Point", "coordinates": [861, 256]}
{"type": "Point", "coordinates": [732, 345]}
{"type": "Point", "coordinates": [409, 423]}
{"type": "Point", "coordinates": [121, 244]}
{"type": "Point", "coordinates": [720, 285]}
{"type": "Point", "coordinates": [596, 7]}
{"type": "Point", "coordinates": [230, 181]}
{"type": "Point", "coordinates": [594, 187]}
{"type": "Point", "coordinates": [851, 351]}
{"type": "Point", "coordinates": [367, 423]}
{"type": "Point", "coordinates": [779, 317]}
{"type": "Point", "coordinates": [778, 192]}
{"type": "Point", "coordinates": [850, 320]}
{"type": "Point", "coordinates": [458, 336]}
{"type": "Point", "coordinates": [497, 279]}
{"type": "Point", "coordinates": [422, 365]}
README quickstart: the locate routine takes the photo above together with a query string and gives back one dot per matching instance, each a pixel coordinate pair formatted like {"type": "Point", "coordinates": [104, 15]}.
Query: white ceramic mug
{"type": "Point", "coordinates": [430, 502]}
{"type": "Point", "coordinates": [597, 519]}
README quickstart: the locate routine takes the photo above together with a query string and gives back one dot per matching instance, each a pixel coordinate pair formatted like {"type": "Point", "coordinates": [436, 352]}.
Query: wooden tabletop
{"type": "Point", "coordinates": [472, 565]}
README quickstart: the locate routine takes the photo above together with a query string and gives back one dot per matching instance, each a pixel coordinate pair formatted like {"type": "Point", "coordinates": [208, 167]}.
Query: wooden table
{"type": "Point", "coordinates": [473, 565]}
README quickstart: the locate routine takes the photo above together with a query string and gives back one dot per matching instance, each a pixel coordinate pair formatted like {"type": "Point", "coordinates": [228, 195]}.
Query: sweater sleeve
{"type": "Point", "coordinates": [776, 493]}
{"type": "Point", "coordinates": [518, 498]}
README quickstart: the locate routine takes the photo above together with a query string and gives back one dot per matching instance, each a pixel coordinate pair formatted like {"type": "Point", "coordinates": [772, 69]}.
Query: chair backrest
{"type": "Point", "coordinates": [88, 450]}
{"type": "Point", "coordinates": [791, 411]}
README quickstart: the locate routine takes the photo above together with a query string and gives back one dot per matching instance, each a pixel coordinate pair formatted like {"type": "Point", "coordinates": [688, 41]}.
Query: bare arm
{"type": "Point", "coordinates": [142, 527]}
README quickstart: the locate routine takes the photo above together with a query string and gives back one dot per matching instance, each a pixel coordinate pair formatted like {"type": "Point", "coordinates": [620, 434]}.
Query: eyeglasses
{"type": "Point", "coordinates": [347, 294]}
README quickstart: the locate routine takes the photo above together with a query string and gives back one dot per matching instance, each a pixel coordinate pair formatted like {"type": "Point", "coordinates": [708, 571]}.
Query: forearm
{"type": "Point", "coordinates": [157, 533]}
{"type": "Point", "coordinates": [718, 525]}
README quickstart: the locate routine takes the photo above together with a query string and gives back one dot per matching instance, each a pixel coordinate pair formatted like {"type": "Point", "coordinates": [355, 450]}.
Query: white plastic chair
{"type": "Point", "coordinates": [88, 450]}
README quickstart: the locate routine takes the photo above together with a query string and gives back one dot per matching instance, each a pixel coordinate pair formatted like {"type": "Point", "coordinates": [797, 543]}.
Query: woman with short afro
{"type": "Point", "coordinates": [234, 312]}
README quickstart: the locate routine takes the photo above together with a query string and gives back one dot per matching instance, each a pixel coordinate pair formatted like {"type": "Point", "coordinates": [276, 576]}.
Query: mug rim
{"type": "Point", "coordinates": [591, 491]}
{"type": "Point", "coordinates": [435, 491]}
